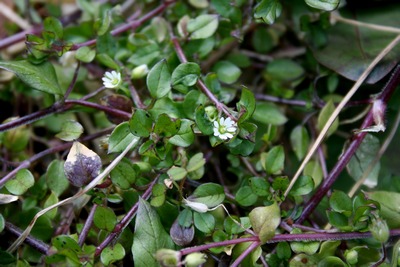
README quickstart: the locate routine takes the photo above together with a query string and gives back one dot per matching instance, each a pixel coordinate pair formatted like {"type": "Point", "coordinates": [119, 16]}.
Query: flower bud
{"type": "Point", "coordinates": [212, 113]}
{"type": "Point", "coordinates": [140, 71]}
{"type": "Point", "coordinates": [167, 257]}
{"type": "Point", "coordinates": [195, 259]}
{"type": "Point", "coordinates": [196, 206]}
{"type": "Point", "coordinates": [351, 256]}
{"type": "Point", "coordinates": [380, 230]}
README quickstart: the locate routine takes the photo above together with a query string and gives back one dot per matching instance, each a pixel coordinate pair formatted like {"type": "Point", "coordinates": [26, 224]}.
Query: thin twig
{"type": "Point", "coordinates": [125, 221]}
{"type": "Point", "coordinates": [338, 109]}
{"type": "Point", "coordinates": [245, 253]}
{"type": "Point", "coordinates": [73, 82]}
{"type": "Point", "coordinates": [350, 150]}
{"type": "Point", "coordinates": [86, 227]}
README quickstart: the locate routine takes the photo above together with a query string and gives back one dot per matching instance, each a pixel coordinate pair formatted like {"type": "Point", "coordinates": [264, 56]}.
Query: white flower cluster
{"type": "Point", "coordinates": [112, 79]}
{"type": "Point", "coordinates": [224, 128]}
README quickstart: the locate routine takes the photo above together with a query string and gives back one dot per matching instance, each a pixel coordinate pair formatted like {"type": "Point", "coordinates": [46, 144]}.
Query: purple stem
{"type": "Point", "coordinates": [245, 253]}
{"type": "Point", "coordinates": [351, 149]}
{"type": "Point", "coordinates": [73, 82]}
{"type": "Point", "coordinates": [86, 227]}
{"type": "Point", "coordinates": [111, 111]}
{"type": "Point", "coordinates": [125, 221]}
{"type": "Point", "coordinates": [30, 240]}
{"type": "Point", "coordinates": [27, 163]}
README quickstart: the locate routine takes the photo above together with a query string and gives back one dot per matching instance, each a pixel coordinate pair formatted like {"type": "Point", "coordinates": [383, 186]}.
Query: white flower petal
{"type": "Point", "coordinates": [221, 121]}
{"type": "Point", "coordinates": [231, 129]}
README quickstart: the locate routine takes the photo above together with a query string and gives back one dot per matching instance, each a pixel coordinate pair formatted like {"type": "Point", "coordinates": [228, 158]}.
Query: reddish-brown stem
{"type": "Point", "coordinates": [125, 221]}
{"type": "Point", "coordinates": [350, 150]}
{"type": "Point", "coordinates": [86, 227]}
{"type": "Point", "coordinates": [245, 253]}
{"type": "Point", "coordinates": [111, 111]}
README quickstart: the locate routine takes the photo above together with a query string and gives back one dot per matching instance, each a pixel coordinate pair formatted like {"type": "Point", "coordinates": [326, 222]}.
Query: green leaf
{"type": "Point", "coordinates": [259, 186]}
{"type": "Point", "coordinates": [158, 195]}
{"type": "Point", "coordinates": [70, 131]}
{"type": "Point", "coordinates": [145, 55]}
{"type": "Point", "coordinates": [269, 113]}
{"type": "Point", "coordinates": [351, 61]}
{"type": "Point", "coordinates": [265, 220]}
{"type": "Point", "coordinates": [167, 106]}
{"type": "Point", "coordinates": [185, 75]}
{"type": "Point", "coordinates": [274, 162]}
{"type": "Point", "coordinates": [390, 206]}
{"type": "Point", "coordinates": [332, 261]}
{"type": "Point", "coordinates": [107, 61]}
{"type": "Point", "coordinates": [303, 186]}
{"type": "Point", "coordinates": [2, 223]}
{"type": "Point", "coordinates": [247, 105]}
{"type": "Point", "coordinates": [308, 248]}
{"type": "Point", "coordinates": [63, 242]}
{"type": "Point", "coordinates": [105, 23]}
{"type": "Point", "coordinates": [202, 121]}
{"type": "Point", "coordinates": [120, 137]}
{"type": "Point", "coordinates": [112, 254]}
{"type": "Point", "coordinates": [209, 194]}
{"type": "Point", "coordinates": [314, 170]}
{"type": "Point", "coordinates": [245, 196]}
{"type": "Point", "coordinates": [141, 123]}
{"type": "Point", "coordinates": [203, 26]}
{"type": "Point", "coordinates": [166, 126]}
{"type": "Point", "coordinates": [363, 158]}
{"type": "Point", "coordinates": [159, 80]}
{"type": "Point", "coordinates": [177, 173]}
{"type": "Point", "coordinates": [205, 222]}
{"type": "Point", "coordinates": [149, 236]}
{"type": "Point", "coordinates": [185, 136]}
{"type": "Point", "coordinates": [105, 218]}
{"type": "Point", "coordinates": [227, 72]}
{"type": "Point", "coordinates": [51, 200]}
{"type": "Point", "coordinates": [21, 183]}
{"type": "Point", "coordinates": [340, 202]}
{"type": "Point", "coordinates": [53, 25]}
{"type": "Point", "coordinates": [268, 10]}
{"type": "Point", "coordinates": [41, 77]}
{"type": "Point", "coordinates": [196, 162]}
{"type": "Point", "coordinates": [283, 250]}
{"type": "Point", "coordinates": [300, 141]}
{"type": "Point", "coordinates": [124, 174]}
{"type": "Point", "coordinates": [55, 177]}
{"type": "Point", "coordinates": [323, 117]}
{"type": "Point", "coordinates": [85, 54]}
{"type": "Point", "coordinates": [326, 5]}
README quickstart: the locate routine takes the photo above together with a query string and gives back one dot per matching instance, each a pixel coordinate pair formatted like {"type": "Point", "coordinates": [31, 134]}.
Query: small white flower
{"type": "Point", "coordinates": [196, 206]}
{"type": "Point", "coordinates": [112, 79]}
{"type": "Point", "coordinates": [224, 128]}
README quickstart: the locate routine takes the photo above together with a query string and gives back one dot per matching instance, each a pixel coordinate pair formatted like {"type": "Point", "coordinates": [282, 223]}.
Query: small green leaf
{"type": "Point", "coordinates": [124, 174]}
{"type": "Point", "coordinates": [314, 170]}
{"type": "Point", "coordinates": [268, 10]}
{"type": "Point", "coordinates": [145, 55]}
{"type": "Point", "coordinates": [112, 254]}
{"type": "Point", "coordinates": [326, 5]}
{"type": "Point", "coordinates": [227, 72]}
{"type": "Point", "coordinates": [332, 261]}
{"type": "Point", "coordinates": [185, 136]}
{"type": "Point", "coordinates": [196, 162]}
{"type": "Point", "coordinates": [107, 61]}
{"type": "Point", "coordinates": [55, 177]}
{"type": "Point", "coordinates": [120, 137]}
{"type": "Point", "coordinates": [51, 200]}
{"type": "Point", "coordinates": [141, 123]}
{"type": "Point", "coordinates": [104, 23]}
{"type": "Point", "coordinates": [177, 173]}
{"type": "Point", "coordinates": [265, 220]}
{"type": "Point", "coordinates": [2, 223]}
{"type": "Point", "coordinates": [259, 186]}
{"type": "Point", "coordinates": [323, 117]}
{"type": "Point", "coordinates": [105, 218]}
{"type": "Point", "coordinates": [390, 206]}
{"type": "Point", "coordinates": [63, 242]}
{"type": "Point", "coordinates": [245, 196]}
{"type": "Point", "coordinates": [53, 25]}
{"type": "Point", "coordinates": [21, 183]}
{"type": "Point", "coordinates": [340, 202]}
{"type": "Point", "coordinates": [274, 162]}
{"type": "Point", "coordinates": [41, 77]}
{"type": "Point", "coordinates": [300, 141]}
{"type": "Point", "coordinates": [209, 194]}
{"type": "Point", "coordinates": [247, 104]}
{"type": "Point", "coordinates": [185, 75]}
{"type": "Point", "coordinates": [70, 131]}
{"type": "Point", "coordinates": [202, 121]}
{"type": "Point", "coordinates": [308, 248]}
{"type": "Point", "coordinates": [303, 186]}
{"type": "Point", "coordinates": [283, 250]}
{"type": "Point", "coordinates": [363, 158]}
{"type": "Point", "coordinates": [205, 222]}
{"type": "Point", "coordinates": [82, 165]}
{"type": "Point", "coordinates": [203, 26]}
{"type": "Point", "coordinates": [269, 113]}
{"type": "Point", "coordinates": [158, 195]}
{"type": "Point", "coordinates": [159, 80]}
{"type": "Point", "coordinates": [166, 126]}
{"type": "Point", "coordinates": [85, 54]}
{"type": "Point", "coordinates": [149, 236]}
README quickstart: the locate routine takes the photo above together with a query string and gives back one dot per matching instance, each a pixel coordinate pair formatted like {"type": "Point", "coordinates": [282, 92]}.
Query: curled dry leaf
{"type": "Point", "coordinates": [82, 165]}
